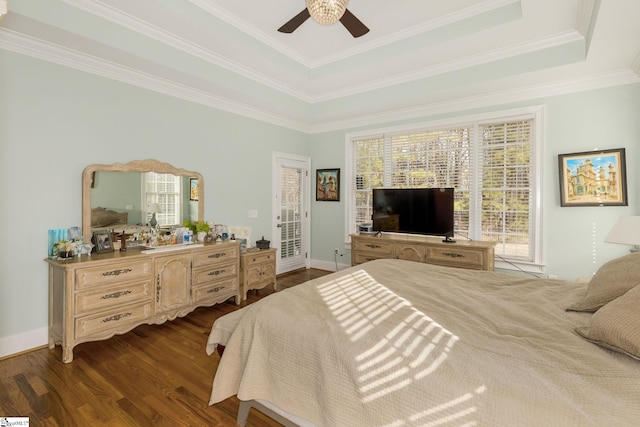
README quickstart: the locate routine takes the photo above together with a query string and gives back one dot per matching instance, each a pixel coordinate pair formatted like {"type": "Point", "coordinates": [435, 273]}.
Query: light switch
{"type": "Point", "coordinates": [128, 207]}
{"type": "Point", "coordinates": [253, 213]}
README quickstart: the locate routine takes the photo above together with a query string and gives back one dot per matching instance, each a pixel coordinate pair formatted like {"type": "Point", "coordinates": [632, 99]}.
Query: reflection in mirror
{"type": "Point", "coordinates": [124, 197]}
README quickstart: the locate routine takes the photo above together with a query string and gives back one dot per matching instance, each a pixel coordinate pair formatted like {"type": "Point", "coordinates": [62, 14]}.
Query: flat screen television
{"type": "Point", "coordinates": [426, 211]}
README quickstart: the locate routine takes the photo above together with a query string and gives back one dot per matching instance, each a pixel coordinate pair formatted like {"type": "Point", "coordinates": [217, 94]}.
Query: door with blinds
{"type": "Point", "coordinates": [291, 211]}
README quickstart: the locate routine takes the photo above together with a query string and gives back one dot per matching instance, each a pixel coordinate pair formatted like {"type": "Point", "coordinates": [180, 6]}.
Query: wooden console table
{"type": "Point", "coordinates": [430, 250]}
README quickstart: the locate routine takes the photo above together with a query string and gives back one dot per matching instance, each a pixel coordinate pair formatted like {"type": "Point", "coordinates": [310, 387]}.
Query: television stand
{"type": "Point", "coordinates": [448, 239]}
{"type": "Point", "coordinates": [475, 255]}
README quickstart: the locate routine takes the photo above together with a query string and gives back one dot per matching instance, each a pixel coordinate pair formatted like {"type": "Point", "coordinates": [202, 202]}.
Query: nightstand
{"type": "Point", "coordinates": [257, 270]}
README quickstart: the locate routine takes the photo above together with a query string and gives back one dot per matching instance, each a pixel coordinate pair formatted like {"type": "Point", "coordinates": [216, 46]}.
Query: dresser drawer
{"type": "Point", "coordinates": [110, 274]}
{"type": "Point", "coordinates": [456, 257]}
{"type": "Point", "coordinates": [215, 291]}
{"type": "Point", "coordinates": [378, 246]}
{"type": "Point", "coordinates": [116, 320]}
{"type": "Point", "coordinates": [115, 296]}
{"type": "Point", "coordinates": [208, 275]}
{"type": "Point", "coordinates": [215, 255]}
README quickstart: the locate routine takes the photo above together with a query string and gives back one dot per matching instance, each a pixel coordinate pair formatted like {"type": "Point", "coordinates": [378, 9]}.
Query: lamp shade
{"type": "Point", "coordinates": [3, 9]}
{"type": "Point", "coordinates": [154, 208]}
{"type": "Point", "coordinates": [626, 231]}
{"type": "Point", "coordinates": [326, 12]}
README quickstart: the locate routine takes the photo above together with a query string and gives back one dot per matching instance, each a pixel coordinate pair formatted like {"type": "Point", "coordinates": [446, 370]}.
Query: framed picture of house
{"type": "Point", "coordinates": [102, 241]}
{"type": "Point", "coordinates": [328, 185]}
{"type": "Point", "coordinates": [193, 188]}
{"type": "Point", "coordinates": [593, 178]}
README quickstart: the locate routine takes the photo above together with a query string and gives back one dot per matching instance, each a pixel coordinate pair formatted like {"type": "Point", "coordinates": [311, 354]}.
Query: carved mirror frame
{"type": "Point", "coordinates": [142, 166]}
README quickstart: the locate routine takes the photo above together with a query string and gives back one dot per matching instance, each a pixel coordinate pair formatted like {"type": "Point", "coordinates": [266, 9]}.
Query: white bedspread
{"type": "Point", "coordinates": [396, 343]}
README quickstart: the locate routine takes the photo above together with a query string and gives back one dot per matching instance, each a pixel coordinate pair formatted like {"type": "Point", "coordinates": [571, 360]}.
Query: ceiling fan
{"type": "Point", "coordinates": [327, 12]}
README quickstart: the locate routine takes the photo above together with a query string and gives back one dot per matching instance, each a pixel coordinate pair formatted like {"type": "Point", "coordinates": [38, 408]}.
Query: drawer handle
{"type": "Point", "coordinates": [158, 287]}
{"type": "Point", "coordinates": [372, 246]}
{"type": "Point", "coordinates": [453, 255]}
{"type": "Point", "coordinates": [214, 290]}
{"type": "Point", "coordinates": [116, 294]}
{"type": "Point", "coordinates": [116, 317]}
{"type": "Point", "coordinates": [218, 255]}
{"type": "Point", "coordinates": [117, 272]}
{"type": "Point", "coordinates": [217, 272]}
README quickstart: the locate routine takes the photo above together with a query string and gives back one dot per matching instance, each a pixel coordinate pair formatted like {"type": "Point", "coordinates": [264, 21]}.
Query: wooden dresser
{"type": "Point", "coordinates": [96, 297]}
{"type": "Point", "coordinates": [431, 250]}
{"type": "Point", "coordinates": [257, 270]}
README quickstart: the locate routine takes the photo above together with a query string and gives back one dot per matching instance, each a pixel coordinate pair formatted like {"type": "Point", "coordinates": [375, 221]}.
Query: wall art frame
{"type": "Point", "coordinates": [193, 189]}
{"type": "Point", "coordinates": [593, 178]}
{"type": "Point", "coordinates": [328, 185]}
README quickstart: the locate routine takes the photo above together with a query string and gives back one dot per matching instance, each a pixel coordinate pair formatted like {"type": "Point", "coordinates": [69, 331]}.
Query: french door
{"type": "Point", "coordinates": [291, 211]}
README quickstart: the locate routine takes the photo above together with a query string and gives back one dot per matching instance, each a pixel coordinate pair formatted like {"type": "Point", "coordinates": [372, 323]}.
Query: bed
{"type": "Point", "coordinates": [103, 218]}
{"type": "Point", "coordinates": [400, 343]}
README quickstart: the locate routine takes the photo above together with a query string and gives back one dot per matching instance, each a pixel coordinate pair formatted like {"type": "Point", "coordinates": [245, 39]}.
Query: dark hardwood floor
{"type": "Point", "coordinates": [155, 375]}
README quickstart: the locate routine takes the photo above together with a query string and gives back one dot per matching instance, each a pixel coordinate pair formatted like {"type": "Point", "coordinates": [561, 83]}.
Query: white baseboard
{"type": "Point", "coordinates": [328, 265]}
{"type": "Point", "coordinates": [25, 341]}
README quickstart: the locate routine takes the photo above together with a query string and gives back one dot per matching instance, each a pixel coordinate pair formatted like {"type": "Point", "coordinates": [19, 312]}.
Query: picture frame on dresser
{"type": "Point", "coordinates": [102, 241]}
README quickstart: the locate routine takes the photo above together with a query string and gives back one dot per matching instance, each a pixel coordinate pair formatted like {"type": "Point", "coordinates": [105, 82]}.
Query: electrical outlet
{"type": "Point", "coordinates": [335, 251]}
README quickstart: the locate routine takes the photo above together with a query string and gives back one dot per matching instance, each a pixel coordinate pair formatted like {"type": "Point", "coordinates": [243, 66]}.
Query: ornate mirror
{"type": "Point", "coordinates": [116, 196]}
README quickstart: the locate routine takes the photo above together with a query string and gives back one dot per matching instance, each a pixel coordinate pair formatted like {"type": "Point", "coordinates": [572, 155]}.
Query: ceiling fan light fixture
{"type": "Point", "coordinates": [326, 12]}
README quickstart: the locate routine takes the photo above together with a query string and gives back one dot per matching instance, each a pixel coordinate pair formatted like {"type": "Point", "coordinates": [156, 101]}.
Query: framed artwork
{"type": "Point", "coordinates": [328, 185]}
{"type": "Point", "coordinates": [593, 178]}
{"type": "Point", "coordinates": [193, 188]}
{"type": "Point", "coordinates": [102, 241]}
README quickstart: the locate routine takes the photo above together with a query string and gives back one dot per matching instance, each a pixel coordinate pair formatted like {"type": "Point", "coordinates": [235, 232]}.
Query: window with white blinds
{"type": "Point", "coordinates": [490, 163]}
{"type": "Point", "coordinates": [166, 190]}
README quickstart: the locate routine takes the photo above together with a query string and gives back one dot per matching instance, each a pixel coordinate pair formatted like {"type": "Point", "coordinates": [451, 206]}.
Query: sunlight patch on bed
{"type": "Point", "coordinates": [408, 345]}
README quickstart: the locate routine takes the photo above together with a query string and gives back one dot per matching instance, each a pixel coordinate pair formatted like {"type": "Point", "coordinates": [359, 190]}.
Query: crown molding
{"type": "Point", "coordinates": [468, 62]}
{"type": "Point", "coordinates": [564, 87]}
{"type": "Point", "coordinates": [46, 51]}
{"type": "Point", "coordinates": [105, 11]}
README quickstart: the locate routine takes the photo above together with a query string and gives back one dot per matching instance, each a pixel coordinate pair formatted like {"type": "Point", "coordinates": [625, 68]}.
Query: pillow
{"type": "Point", "coordinates": [616, 326]}
{"type": "Point", "coordinates": [611, 280]}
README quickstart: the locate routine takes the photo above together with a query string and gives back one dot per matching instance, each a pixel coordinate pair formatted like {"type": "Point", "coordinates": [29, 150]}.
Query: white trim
{"type": "Point", "coordinates": [24, 341]}
{"type": "Point", "coordinates": [536, 112]}
{"type": "Point", "coordinates": [275, 204]}
{"type": "Point", "coordinates": [50, 52]}
{"type": "Point", "coordinates": [585, 83]}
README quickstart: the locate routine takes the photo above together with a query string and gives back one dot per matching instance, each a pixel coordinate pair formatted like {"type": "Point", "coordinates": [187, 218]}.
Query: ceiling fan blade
{"type": "Point", "coordinates": [295, 22]}
{"type": "Point", "coordinates": [353, 24]}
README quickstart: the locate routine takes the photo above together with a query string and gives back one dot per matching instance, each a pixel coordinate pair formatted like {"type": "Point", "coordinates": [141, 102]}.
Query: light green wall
{"type": "Point", "coordinates": [55, 121]}
{"type": "Point", "coordinates": [573, 237]}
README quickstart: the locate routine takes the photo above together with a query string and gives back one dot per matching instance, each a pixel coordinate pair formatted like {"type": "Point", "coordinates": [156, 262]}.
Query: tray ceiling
{"type": "Point", "coordinates": [420, 57]}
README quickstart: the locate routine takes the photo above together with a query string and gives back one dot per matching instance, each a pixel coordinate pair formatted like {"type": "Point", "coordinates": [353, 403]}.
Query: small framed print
{"type": "Point", "coordinates": [593, 178]}
{"type": "Point", "coordinates": [102, 241]}
{"type": "Point", "coordinates": [193, 189]}
{"type": "Point", "coordinates": [328, 185]}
